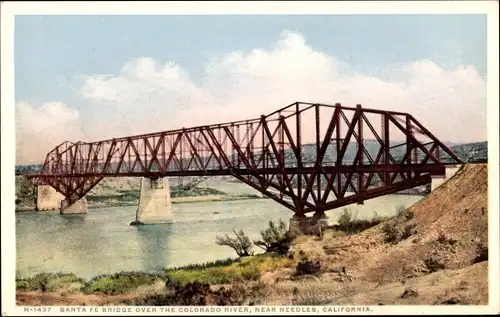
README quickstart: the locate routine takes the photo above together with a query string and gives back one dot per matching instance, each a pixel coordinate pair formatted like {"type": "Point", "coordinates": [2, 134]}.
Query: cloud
{"type": "Point", "coordinates": [148, 95]}
{"type": "Point", "coordinates": [38, 130]}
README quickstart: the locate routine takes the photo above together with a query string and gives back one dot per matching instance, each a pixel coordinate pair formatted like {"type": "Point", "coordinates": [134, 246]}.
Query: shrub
{"type": "Point", "coordinates": [409, 293]}
{"type": "Point", "coordinates": [441, 238]}
{"type": "Point", "coordinates": [180, 295]}
{"type": "Point", "coordinates": [408, 231]}
{"type": "Point", "coordinates": [445, 240]}
{"type": "Point", "coordinates": [38, 282]}
{"type": "Point", "coordinates": [200, 294]}
{"type": "Point", "coordinates": [409, 215]}
{"type": "Point", "coordinates": [241, 244]}
{"type": "Point", "coordinates": [481, 254]}
{"type": "Point", "coordinates": [391, 233]}
{"type": "Point", "coordinates": [120, 282]}
{"type": "Point", "coordinates": [433, 265]}
{"type": "Point", "coordinates": [308, 267]}
{"type": "Point", "coordinates": [405, 213]}
{"type": "Point", "coordinates": [47, 282]}
{"type": "Point", "coordinates": [275, 238]}
{"type": "Point", "coordinates": [234, 296]}
{"type": "Point", "coordinates": [345, 220]}
{"type": "Point", "coordinates": [400, 210]}
{"type": "Point", "coordinates": [349, 224]}
{"type": "Point", "coordinates": [452, 301]}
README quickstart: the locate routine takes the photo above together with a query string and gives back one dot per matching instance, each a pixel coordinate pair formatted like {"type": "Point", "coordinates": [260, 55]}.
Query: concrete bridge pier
{"type": "Point", "coordinates": [438, 180]}
{"type": "Point", "coordinates": [155, 206]}
{"type": "Point", "coordinates": [79, 207]}
{"type": "Point", "coordinates": [314, 224]}
{"type": "Point", "coordinates": [47, 198]}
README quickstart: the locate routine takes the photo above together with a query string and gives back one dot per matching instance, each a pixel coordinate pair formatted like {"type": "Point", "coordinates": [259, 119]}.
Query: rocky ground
{"type": "Point", "coordinates": [435, 252]}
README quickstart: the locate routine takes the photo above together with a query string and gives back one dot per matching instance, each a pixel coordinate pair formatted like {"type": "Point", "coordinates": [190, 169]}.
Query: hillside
{"type": "Point", "coordinates": [436, 244]}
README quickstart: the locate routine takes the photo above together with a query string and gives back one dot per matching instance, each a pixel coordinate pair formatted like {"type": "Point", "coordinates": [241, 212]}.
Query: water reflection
{"type": "Point", "coordinates": [73, 220]}
{"type": "Point", "coordinates": [154, 245]}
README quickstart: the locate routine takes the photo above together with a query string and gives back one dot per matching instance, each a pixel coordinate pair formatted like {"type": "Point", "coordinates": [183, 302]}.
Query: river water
{"type": "Point", "coordinates": [102, 241]}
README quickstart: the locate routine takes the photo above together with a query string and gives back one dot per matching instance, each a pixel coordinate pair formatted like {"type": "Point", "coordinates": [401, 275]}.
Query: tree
{"type": "Point", "coordinates": [241, 243]}
{"type": "Point", "coordinates": [27, 188]}
{"type": "Point", "coordinates": [275, 238]}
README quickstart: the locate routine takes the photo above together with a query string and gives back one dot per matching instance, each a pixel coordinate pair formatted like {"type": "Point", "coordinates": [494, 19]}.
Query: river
{"type": "Point", "coordinates": [102, 241]}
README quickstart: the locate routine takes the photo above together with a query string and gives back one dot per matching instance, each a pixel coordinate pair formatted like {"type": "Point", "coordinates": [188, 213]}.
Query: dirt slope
{"type": "Point", "coordinates": [444, 231]}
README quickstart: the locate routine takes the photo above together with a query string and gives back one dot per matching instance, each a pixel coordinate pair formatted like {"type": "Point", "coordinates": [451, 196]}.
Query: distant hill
{"type": "Point", "coordinates": [466, 152]}
{"type": "Point", "coordinates": [23, 169]}
{"type": "Point", "coordinates": [471, 151]}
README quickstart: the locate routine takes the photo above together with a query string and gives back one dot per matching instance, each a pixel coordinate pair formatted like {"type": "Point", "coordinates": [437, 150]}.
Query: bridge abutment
{"type": "Point", "coordinates": [438, 180]}
{"type": "Point", "coordinates": [155, 206]}
{"type": "Point", "coordinates": [47, 198]}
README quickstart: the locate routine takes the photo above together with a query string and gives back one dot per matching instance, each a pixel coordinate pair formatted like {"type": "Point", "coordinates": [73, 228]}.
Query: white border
{"type": "Point", "coordinates": [10, 9]}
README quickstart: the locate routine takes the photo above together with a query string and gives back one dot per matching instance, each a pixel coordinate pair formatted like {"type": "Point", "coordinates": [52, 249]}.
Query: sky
{"type": "Point", "coordinates": [95, 77]}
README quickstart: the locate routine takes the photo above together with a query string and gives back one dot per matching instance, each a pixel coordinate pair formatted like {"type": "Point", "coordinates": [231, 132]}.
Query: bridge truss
{"type": "Point", "coordinates": [307, 157]}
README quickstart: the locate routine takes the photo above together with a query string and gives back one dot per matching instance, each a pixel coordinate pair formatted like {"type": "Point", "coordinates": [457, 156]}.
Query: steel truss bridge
{"type": "Point", "coordinates": [309, 157]}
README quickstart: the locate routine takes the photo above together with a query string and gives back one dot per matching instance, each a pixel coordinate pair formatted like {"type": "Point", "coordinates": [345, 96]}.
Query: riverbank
{"type": "Point", "coordinates": [177, 200]}
{"type": "Point", "coordinates": [433, 253]}
{"type": "Point", "coordinates": [122, 192]}
{"type": "Point", "coordinates": [278, 286]}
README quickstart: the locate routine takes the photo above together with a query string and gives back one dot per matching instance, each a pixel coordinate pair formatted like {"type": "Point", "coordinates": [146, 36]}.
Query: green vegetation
{"type": "Point", "coordinates": [244, 269]}
{"type": "Point", "coordinates": [275, 238]}
{"type": "Point", "coordinates": [125, 196]}
{"type": "Point", "coordinates": [348, 224]}
{"type": "Point", "coordinates": [132, 196]}
{"type": "Point", "coordinates": [407, 214]}
{"type": "Point", "coordinates": [179, 191]}
{"type": "Point", "coordinates": [120, 282]}
{"type": "Point", "coordinates": [471, 151]}
{"type": "Point", "coordinates": [47, 282]}
{"type": "Point", "coordinates": [399, 229]}
{"type": "Point", "coordinates": [205, 265]}
{"type": "Point", "coordinates": [391, 233]}
{"type": "Point", "coordinates": [227, 271]}
{"type": "Point", "coordinates": [25, 191]}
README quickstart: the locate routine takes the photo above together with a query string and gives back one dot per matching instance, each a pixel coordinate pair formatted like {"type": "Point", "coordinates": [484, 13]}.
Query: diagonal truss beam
{"type": "Point", "coordinates": [270, 155]}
